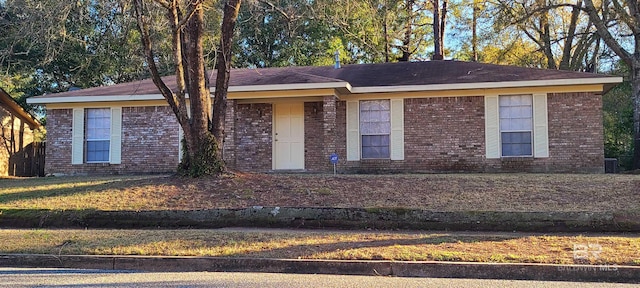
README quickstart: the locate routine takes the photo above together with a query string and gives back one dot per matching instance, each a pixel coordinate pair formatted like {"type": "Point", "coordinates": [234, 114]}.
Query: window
{"type": "Point", "coordinates": [97, 134]}
{"type": "Point", "coordinates": [375, 128]}
{"type": "Point", "coordinates": [516, 125]}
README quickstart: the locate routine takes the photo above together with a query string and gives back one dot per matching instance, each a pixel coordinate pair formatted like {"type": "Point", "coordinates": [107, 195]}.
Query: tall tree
{"type": "Point", "coordinates": [561, 31]}
{"type": "Point", "coordinates": [366, 28]}
{"type": "Point", "coordinates": [278, 33]}
{"type": "Point", "coordinates": [469, 24]}
{"type": "Point", "coordinates": [203, 130]}
{"type": "Point", "coordinates": [379, 30]}
{"type": "Point", "coordinates": [59, 44]}
{"type": "Point", "coordinates": [474, 30]}
{"type": "Point", "coordinates": [439, 25]}
{"type": "Point", "coordinates": [626, 16]}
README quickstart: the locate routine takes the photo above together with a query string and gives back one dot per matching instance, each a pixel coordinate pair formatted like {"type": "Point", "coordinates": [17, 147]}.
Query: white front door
{"type": "Point", "coordinates": [288, 136]}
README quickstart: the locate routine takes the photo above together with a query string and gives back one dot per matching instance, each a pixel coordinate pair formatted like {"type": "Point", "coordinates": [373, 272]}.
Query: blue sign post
{"type": "Point", "coordinates": [334, 160]}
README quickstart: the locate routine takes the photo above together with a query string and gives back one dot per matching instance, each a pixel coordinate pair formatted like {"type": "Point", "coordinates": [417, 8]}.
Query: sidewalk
{"type": "Point", "coordinates": [542, 272]}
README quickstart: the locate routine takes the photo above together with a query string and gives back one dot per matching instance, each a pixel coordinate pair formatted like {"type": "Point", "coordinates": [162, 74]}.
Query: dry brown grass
{"type": "Point", "coordinates": [439, 192]}
{"type": "Point", "coordinates": [408, 246]}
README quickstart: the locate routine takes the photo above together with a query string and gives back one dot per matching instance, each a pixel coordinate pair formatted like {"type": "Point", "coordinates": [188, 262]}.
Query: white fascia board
{"type": "Point", "coordinates": [87, 99]}
{"type": "Point", "coordinates": [487, 85]}
{"type": "Point", "coordinates": [280, 87]}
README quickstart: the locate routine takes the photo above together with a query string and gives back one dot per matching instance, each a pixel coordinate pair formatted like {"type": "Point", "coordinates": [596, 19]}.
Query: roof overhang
{"type": "Point", "coordinates": [344, 88]}
{"type": "Point", "coordinates": [488, 85]}
{"type": "Point", "coordinates": [82, 99]}
{"type": "Point", "coordinates": [341, 86]}
{"type": "Point", "coordinates": [17, 109]}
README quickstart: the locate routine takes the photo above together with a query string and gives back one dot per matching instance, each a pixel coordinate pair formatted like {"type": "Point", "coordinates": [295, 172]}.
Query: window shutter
{"type": "Point", "coordinates": [353, 131]}
{"type": "Point", "coordinates": [77, 138]}
{"type": "Point", "coordinates": [540, 126]}
{"type": "Point", "coordinates": [491, 127]}
{"type": "Point", "coordinates": [397, 129]}
{"type": "Point", "coordinates": [116, 136]}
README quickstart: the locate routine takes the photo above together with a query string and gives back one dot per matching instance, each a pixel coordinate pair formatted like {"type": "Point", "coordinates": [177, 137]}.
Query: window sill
{"type": "Point", "coordinates": [517, 157]}
{"type": "Point", "coordinates": [375, 161]}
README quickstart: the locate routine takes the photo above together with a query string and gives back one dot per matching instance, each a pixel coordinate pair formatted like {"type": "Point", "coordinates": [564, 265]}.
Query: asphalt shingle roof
{"type": "Point", "coordinates": [357, 75]}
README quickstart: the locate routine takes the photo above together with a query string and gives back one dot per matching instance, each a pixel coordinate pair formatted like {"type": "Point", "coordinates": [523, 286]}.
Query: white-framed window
{"type": "Point", "coordinates": [516, 125]}
{"type": "Point", "coordinates": [97, 134]}
{"type": "Point", "coordinates": [375, 129]}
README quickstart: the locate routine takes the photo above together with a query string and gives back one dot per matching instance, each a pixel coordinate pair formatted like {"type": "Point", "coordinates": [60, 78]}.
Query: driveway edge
{"type": "Point", "coordinates": [435, 269]}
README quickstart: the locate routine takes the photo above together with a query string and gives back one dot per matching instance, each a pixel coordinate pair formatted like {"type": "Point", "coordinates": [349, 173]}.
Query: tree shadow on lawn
{"type": "Point", "coordinates": [258, 245]}
{"type": "Point", "coordinates": [311, 251]}
{"type": "Point", "coordinates": [41, 191]}
{"type": "Point", "coordinates": [261, 249]}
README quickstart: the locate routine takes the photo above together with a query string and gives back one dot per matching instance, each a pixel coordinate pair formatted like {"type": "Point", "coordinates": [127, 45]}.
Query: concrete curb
{"type": "Point", "coordinates": [345, 218]}
{"type": "Point", "coordinates": [517, 271]}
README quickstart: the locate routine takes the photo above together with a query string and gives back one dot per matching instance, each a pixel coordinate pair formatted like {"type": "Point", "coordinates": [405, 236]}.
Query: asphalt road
{"type": "Point", "coordinates": [38, 277]}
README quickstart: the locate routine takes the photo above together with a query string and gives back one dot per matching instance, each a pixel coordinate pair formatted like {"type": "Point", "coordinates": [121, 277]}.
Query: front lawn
{"type": "Point", "coordinates": [439, 192]}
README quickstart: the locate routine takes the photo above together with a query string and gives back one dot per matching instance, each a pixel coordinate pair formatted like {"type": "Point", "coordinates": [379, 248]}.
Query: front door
{"type": "Point", "coordinates": [288, 136]}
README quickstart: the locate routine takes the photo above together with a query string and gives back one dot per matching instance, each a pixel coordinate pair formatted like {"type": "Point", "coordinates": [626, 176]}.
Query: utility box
{"type": "Point", "coordinates": [611, 165]}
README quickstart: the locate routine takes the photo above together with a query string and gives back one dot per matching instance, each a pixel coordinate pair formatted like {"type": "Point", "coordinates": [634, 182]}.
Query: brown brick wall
{"type": "Point", "coordinates": [330, 130]}
{"type": "Point", "coordinates": [446, 134]}
{"type": "Point", "coordinates": [253, 124]}
{"type": "Point", "coordinates": [576, 140]}
{"type": "Point", "coordinates": [150, 142]}
{"type": "Point", "coordinates": [442, 134]}
{"type": "Point", "coordinates": [229, 145]}
{"type": "Point", "coordinates": [253, 128]}
{"type": "Point", "coordinates": [576, 133]}
{"type": "Point", "coordinates": [58, 151]}
{"type": "Point", "coordinates": [314, 137]}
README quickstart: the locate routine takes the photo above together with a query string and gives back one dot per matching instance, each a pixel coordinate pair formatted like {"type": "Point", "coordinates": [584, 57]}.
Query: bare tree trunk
{"type": "Point", "coordinates": [175, 100]}
{"type": "Point", "coordinates": [474, 32]}
{"type": "Point", "coordinates": [635, 83]}
{"type": "Point", "coordinates": [439, 22]}
{"type": "Point", "coordinates": [231, 9]}
{"type": "Point", "coordinates": [545, 34]}
{"type": "Point", "coordinates": [386, 32]}
{"type": "Point", "coordinates": [408, 32]}
{"type": "Point", "coordinates": [199, 96]}
{"type": "Point", "coordinates": [437, 44]}
{"type": "Point", "coordinates": [203, 132]}
{"type": "Point", "coordinates": [565, 62]}
{"type": "Point", "coordinates": [443, 25]}
{"type": "Point", "coordinates": [632, 19]}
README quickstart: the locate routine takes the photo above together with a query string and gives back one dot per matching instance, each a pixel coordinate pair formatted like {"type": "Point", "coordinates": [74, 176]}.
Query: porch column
{"type": "Point", "coordinates": [229, 145]}
{"type": "Point", "coordinates": [329, 131]}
